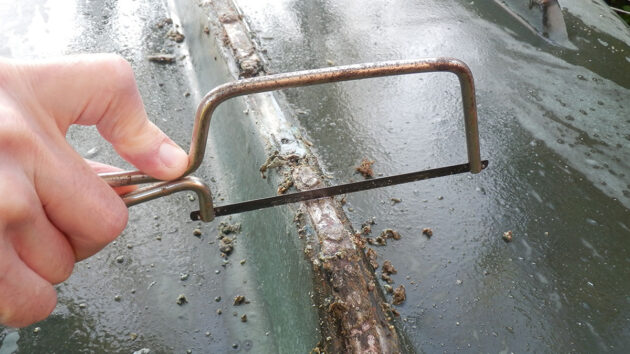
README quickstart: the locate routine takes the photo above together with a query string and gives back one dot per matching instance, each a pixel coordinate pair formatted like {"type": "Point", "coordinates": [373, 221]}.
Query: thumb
{"type": "Point", "coordinates": [101, 90]}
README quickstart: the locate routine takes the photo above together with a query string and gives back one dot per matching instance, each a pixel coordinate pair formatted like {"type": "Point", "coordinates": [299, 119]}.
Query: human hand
{"type": "Point", "coordinates": [54, 209]}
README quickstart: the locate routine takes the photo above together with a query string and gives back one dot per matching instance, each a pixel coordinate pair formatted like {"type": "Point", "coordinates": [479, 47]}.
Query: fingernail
{"type": "Point", "coordinates": [171, 155]}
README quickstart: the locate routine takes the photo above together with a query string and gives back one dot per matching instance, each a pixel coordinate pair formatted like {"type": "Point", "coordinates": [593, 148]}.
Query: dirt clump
{"type": "Point", "coordinates": [285, 185]}
{"type": "Point", "coordinates": [162, 58]}
{"type": "Point", "coordinates": [273, 161]}
{"type": "Point", "coordinates": [365, 168]}
{"type": "Point", "coordinates": [359, 240]}
{"type": "Point", "coordinates": [379, 241]}
{"type": "Point", "coordinates": [226, 229]}
{"type": "Point", "coordinates": [399, 295]}
{"type": "Point", "coordinates": [175, 35]}
{"type": "Point", "coordinates": [366, 227]}
{"type": "Point", "coordinates": [164, 22]}
{"type": "Point", "coordinates": [226, 243]}
{"type": "Point", "coordinates": [372, 256]}
{"type": "Point", "coordinates": [387, 278]}
{"type": "Point", "coordinates": [239, 299]}
{"type": "Point", "coordinates": [181, 300]}
{"type": "Point", "coordinates": [391, 234]}
{"type": "Point", "coordinates": [388, 268]}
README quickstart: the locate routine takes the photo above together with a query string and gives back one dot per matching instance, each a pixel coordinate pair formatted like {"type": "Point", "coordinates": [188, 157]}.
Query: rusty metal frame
{"type": "Point", "coordinates": [295, 79]}
{"type": "Point", "coordinates": [190, 183]}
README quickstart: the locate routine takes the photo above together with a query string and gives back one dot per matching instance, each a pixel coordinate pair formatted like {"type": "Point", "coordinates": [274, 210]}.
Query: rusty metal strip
{"type": "Point", "coordinates": [313, 77]}
{"type": "Point", "coordinates": [189, 183]}
{"type": "Point", "coordinates": [296, 79]}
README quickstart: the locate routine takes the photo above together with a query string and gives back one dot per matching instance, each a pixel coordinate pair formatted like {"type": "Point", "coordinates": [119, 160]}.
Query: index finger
{"type": "Point", "coordinates": [100, 90]}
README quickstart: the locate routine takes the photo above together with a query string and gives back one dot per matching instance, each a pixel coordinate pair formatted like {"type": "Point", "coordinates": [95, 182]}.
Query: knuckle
{"type": "Point", "coordinates": [22, 304]}
{"type": "Point", "coordinates": [15, 134]}
{"type": "Point", "coordinates": [114, 220]}
{"type": "Point", "coordinates": [64, 270]}
{"type": "Point", "coordinates": [64, 265]}
{"type": "Point", "coordinates": [119, 219]}
{"type": "Point", "coordinates": [17, 211]}
{"type": "Point", "coordinates": [16, 206]}
{"type": "Point", "coordinates": [30, 309]}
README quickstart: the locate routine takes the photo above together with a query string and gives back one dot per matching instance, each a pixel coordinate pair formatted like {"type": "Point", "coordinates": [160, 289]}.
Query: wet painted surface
{"type": "Point", "coordinates": [554, 126]}
{"type": "Point", "coordinates": [124, 298]}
